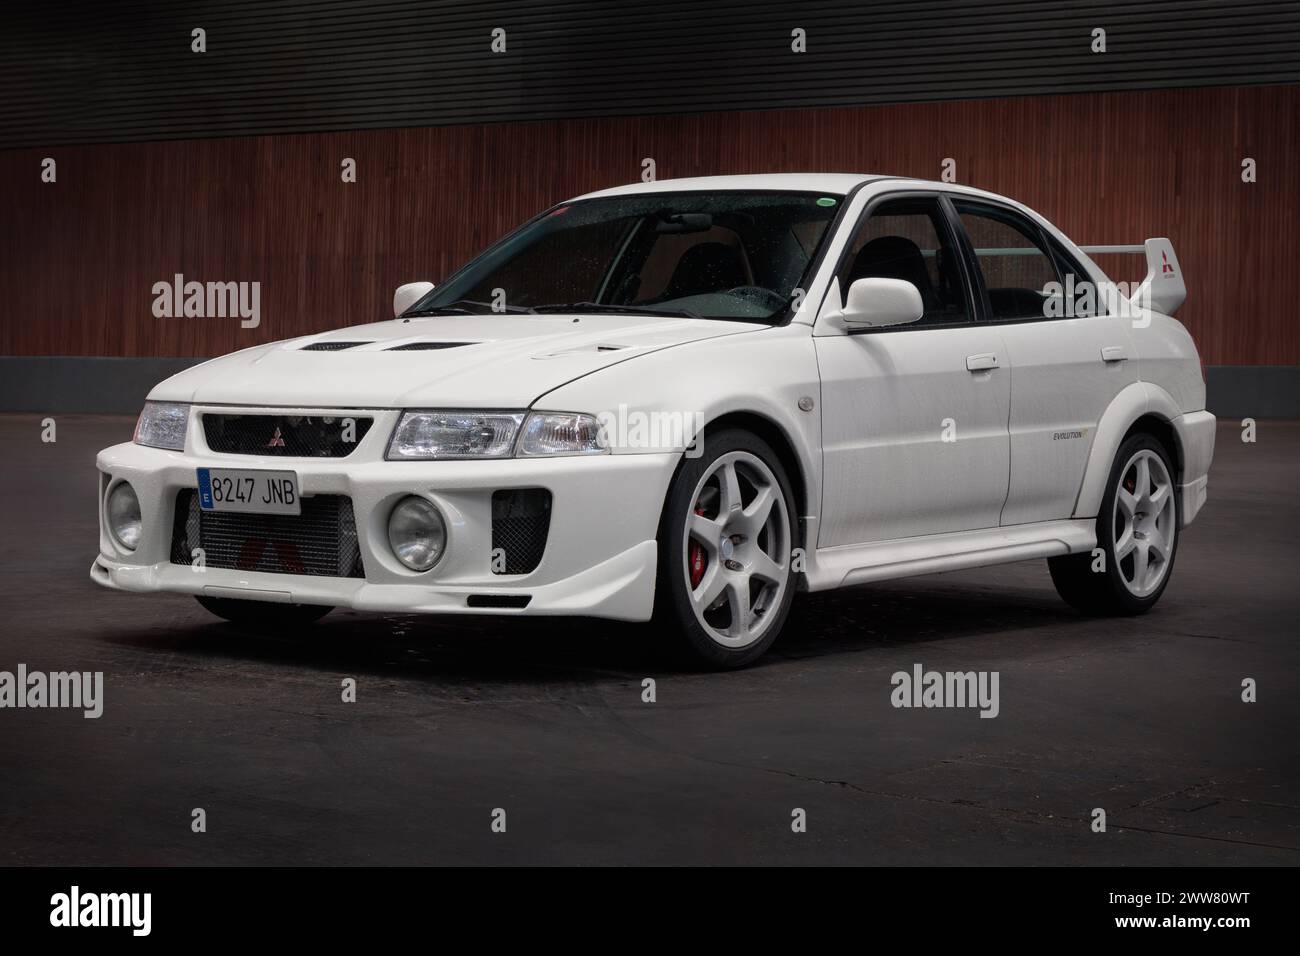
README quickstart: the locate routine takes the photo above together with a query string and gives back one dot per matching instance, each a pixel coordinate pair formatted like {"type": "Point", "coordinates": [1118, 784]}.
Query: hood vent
{"type": "Point", "coordinates": [427, 346]}
{"type": "Point", "coordinates": [583, 350]}
{"type": "Point", "coordinates": [331, 346]}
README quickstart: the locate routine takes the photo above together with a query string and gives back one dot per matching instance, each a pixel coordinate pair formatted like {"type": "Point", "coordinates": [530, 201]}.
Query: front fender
{"type": "Point", "coordinates": [766, 373]}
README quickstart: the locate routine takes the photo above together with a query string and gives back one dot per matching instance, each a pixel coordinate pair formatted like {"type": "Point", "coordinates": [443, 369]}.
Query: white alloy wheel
{"type": "Point", "coordinates": [1145, 523]}
{"type": "Point", "coordinates": [736, 549]}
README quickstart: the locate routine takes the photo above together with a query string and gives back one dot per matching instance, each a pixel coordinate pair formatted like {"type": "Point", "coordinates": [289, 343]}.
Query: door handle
{"type": "Point", "coordinates": [981, 362]}
{"type": "Point", "coordinates": [1114, 353]}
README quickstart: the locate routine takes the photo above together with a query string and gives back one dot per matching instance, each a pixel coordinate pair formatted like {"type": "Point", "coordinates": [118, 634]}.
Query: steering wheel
{"type": "Point", "coordinates": [773, 299]}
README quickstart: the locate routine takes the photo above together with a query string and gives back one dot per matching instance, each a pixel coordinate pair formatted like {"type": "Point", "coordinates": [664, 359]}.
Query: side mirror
{"type": "Point", "coordinates": [409, 294]}
{"type": "Point", "coordinates": [875, 303]}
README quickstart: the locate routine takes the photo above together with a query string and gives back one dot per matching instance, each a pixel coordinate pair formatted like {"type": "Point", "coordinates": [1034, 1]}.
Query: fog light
{"type": "Point", "coordinates": [124, 515]}
{"type": "Point", "coordinates": [416, 533]}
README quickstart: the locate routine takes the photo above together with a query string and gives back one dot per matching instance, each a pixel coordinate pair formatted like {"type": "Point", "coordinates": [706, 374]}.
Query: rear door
{"type": "Point", "coordinates": [914, 417]}
{"type": "Point", "coordinates": [1068, 359]}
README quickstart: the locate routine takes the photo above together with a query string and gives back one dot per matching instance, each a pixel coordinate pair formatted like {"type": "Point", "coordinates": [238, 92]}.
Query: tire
{"type": "Point", "coordinates": [263, 615]}
{"type": "Point", "coordinates": [1136, 529]}
{"type": "Point", "coordinates": [730, 559]}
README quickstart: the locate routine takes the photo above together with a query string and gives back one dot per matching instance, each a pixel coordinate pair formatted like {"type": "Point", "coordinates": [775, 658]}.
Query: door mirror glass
{"type": "Point", "coordinates": [876, 303]}
{"type": "Point", "coordinates": [409, 294]}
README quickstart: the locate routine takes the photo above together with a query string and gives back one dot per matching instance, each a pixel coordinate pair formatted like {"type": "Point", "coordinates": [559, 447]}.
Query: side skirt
{"type": "Point", "coordinates": [904, 557]}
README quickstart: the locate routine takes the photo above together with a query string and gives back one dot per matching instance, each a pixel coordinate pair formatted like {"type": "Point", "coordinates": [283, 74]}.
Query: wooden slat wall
{"type": "Point", "coordinates": [78, 258]}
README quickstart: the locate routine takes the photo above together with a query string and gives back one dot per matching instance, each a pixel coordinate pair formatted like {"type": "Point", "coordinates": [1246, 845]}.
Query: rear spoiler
{"type": "Point", "coordinates": [1162, 290]}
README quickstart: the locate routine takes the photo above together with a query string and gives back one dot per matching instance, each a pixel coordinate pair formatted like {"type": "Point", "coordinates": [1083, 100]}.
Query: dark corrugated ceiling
{"type": "Point", "coordinates": [72, 73]}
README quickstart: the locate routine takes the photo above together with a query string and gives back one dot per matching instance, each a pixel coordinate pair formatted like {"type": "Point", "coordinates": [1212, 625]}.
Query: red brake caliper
{"type": "Point", "coordinates": [696, 557]}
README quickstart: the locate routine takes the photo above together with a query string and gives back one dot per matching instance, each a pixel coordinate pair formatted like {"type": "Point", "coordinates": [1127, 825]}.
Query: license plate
{"type": "Point", "coordinates": [241, 489]}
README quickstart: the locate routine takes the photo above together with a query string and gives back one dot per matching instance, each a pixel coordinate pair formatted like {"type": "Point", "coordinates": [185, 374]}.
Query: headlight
{"type": "Point", "coordinates": [162, 425]}
{"type": "Point", "coordinates": [552, 433]}
{"type": "Point", "coordinates": [124, 515]}
{"type": "Point", "coordinates": [455, 435]}
{"type": "Point", "coordinates": [416, 533]}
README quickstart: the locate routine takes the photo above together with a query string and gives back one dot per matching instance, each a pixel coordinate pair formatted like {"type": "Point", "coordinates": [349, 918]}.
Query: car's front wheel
{"type": "Point", "coordinates": [725, 581]}
{"type": "Point", "coordinates": [263, 615]}
{"type": "Point", "coordinates": [1137, 534]}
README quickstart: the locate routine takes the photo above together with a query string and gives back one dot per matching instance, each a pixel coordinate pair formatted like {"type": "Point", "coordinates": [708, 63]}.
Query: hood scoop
{"type": "Point", "coordinates": [330, 346]}
{"type": "Point", "coordinates": [427, 346]}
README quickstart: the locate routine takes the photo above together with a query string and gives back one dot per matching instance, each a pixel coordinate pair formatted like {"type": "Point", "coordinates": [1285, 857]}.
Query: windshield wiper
{"type": "Point", "coordinates": [459, 307]}
{"type": "Point", "coordinates": [600, 307]}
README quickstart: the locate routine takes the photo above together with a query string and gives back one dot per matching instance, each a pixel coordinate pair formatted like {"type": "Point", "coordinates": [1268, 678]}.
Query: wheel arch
{"type": "Point", "coordinates": [1163, 431]}
{"type": "Point", "coordinates": [774, 435]}
{"type": "Point", "coordinates": [1140, 406]}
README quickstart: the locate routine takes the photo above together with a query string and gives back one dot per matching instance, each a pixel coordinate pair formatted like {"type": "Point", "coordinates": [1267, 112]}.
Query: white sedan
{"type": "Point", "coordinates": [685, 401]}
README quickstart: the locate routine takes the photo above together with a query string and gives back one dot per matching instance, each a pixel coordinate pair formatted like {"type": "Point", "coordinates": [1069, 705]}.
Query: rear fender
{"type": "Point", "coordinates": [1134, 401]}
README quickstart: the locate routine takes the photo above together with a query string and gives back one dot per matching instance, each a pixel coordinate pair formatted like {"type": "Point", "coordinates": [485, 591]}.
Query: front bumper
{"type": "Point", "coordinates": [599, 558]}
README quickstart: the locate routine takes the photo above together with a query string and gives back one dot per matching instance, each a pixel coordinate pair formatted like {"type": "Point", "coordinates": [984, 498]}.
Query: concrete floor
{"type": "Point", "coordinates": [1141, 717]}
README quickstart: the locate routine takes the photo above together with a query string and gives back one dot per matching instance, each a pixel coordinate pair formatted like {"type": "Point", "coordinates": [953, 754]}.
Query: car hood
{"type": "Point", "coordinates": [480, 361]}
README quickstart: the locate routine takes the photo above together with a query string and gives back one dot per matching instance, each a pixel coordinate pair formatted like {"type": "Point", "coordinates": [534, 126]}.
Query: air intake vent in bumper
{"type": "Point", "coordinates": [521, 520]}
{"type": "Point", "coordinates": [320, 541]}
{"type": "Point", "coordinates": [498, 600]}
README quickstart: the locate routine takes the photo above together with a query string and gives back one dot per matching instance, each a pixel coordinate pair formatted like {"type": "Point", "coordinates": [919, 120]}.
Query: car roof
{"type": "Point", "coordinates": [836, 183]}
{"type": "Point", "coordinates": [833, 183]}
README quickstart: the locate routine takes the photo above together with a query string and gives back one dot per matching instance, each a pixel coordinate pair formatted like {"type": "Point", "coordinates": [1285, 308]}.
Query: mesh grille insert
{"type": "Point", "coordinates": [521, 520]}
{"type": "Point", "coordinates": [290, 436]}
{"type": "Point", "coordinates": [321, 541]}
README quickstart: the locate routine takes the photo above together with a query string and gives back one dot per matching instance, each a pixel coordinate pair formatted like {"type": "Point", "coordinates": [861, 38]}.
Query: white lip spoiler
{"type": "Point", "coordinates": [1163, 289]}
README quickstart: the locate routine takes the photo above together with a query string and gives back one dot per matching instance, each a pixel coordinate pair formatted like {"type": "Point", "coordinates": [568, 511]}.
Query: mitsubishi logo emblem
{"type": "Point", "coordinates": [277, 441]}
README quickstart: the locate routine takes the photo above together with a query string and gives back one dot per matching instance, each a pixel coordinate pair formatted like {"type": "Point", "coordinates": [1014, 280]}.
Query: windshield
{"type": "Point", "coordinates": [729, 255]}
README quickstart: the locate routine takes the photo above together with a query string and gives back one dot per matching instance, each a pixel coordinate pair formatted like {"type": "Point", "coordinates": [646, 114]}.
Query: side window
{"type": "Point", "coordinates": [909, 239]}
{"type": "Point", "coordinates": [1078, 297]}
{"type": "Point", "coordinates": [1019, 274]}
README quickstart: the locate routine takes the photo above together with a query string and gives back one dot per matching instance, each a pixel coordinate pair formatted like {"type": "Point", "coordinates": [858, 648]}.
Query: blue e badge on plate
{"type": "Point", "coordinates": [205, 489]}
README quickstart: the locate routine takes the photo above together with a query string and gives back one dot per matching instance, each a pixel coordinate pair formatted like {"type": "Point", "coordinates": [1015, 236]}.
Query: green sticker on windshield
{"type": "Point", "coordinates": [826, 201]}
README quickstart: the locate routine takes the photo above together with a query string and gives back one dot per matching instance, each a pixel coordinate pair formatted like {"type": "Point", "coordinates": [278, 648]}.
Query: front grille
{"type": "Point", "coordinates": [521, 520]}
{"type": "Point", "coordinates": [287, 436]}
{"type": "Point", "coordinates": [320, 541]}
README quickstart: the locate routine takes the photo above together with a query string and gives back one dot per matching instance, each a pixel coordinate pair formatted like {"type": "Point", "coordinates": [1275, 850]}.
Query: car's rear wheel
{"type": "Point", "coordinates": [1137, 532]}
{"type": "Point", "coordinates": [261, 615]}
{"type": "Point", "coordinates": [725, 543]}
